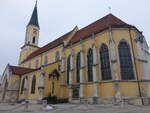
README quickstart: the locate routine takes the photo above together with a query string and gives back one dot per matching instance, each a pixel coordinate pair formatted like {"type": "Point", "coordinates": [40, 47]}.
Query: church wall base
{"type": "Point", "coordinates": [11, 97]}
{"type": "Point", "coordinates": [112, 100]}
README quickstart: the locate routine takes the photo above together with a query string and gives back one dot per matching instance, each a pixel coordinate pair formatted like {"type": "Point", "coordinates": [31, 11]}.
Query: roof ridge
{"type": "Point", "coordinates": [106, 16]}
{"type": "Point", "coordinates": [99, 25]}
{"type": "Point", "coordinates": [63, 36]}
{"type": "Point", "coordinates": [58, 38]}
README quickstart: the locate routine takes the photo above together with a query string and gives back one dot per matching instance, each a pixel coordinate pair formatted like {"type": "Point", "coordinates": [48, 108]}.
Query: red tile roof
{"type": "Point", "coordinates": [97, 26]}
{"type": "Point", "coordinates": [47, 47]}
{"type": "Point", "coordinates": [20, 70]}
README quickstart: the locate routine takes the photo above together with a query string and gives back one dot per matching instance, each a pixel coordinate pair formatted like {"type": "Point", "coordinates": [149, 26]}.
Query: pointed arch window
{"type": "Point", "coordinates": [105, 63]}
{"type": "Point", "coordinates": [68, 68]}
{"type": "Point", "coordinates": [22, 85]}
{"type": "Point", "coordinates": [126, 64]}
{"type": "Point", "coordinates": [57, 57]}
{"type": "Point", "coordinates": [33, 40]}
{"type": "Point", "coordinates": [90, 65]}
{"type": "Point", "coordinates": [33, 85]}
{"type": "Point", "coordinates": [78, 65]}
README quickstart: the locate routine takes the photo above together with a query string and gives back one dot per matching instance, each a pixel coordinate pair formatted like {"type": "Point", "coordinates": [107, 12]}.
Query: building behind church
{"type": "Point", "coordinates": [105, 62]}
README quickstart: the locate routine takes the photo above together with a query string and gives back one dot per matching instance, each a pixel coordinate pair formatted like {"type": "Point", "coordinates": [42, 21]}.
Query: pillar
{"type": "Point", "coordinates": [81, 91]}
{"type": "Point", "coordinates": [62, 77]}
{"type": "Point", "coordinates": [26, 88]}
{"type": "Point", "coordinates": [114, 65]}
{"type": "Point", "coordinates": [95, 79]}
{"type": "Point", "coordinates": [41, 86]}
{"type": "Point", "coordinates": [71, 75]}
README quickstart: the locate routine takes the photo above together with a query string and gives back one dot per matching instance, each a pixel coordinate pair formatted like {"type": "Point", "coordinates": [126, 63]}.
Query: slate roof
{"type": "Point", "coordinates": [96, 27]}
{"type": "Point", "coordinates": [20, 70]}
{"type": "Point", "coordinates": [34, 17]}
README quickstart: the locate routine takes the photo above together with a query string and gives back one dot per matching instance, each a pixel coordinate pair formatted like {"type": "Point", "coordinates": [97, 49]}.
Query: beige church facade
{"type": "Point", "coordinates": [105, 62]}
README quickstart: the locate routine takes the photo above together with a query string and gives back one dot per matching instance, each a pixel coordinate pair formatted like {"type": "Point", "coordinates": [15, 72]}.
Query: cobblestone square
{"type": "Point", "coordinates": [75, 108]}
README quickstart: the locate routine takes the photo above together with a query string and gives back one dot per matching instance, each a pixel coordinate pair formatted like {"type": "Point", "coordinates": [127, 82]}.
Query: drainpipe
{"type": "Point", "coordinates": [140, 94]}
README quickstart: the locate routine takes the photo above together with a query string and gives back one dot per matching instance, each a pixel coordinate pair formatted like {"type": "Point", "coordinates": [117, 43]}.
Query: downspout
{"type": "Point", "coordinates": [140, 94]}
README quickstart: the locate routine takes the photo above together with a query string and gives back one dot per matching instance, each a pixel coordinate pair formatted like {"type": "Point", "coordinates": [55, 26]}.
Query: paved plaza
{"type": "Point", "coordinates": [75, 108]}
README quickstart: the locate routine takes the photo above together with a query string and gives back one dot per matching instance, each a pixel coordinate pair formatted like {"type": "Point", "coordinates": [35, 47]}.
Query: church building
{"type": "Point", "coordinates": [107, 61]}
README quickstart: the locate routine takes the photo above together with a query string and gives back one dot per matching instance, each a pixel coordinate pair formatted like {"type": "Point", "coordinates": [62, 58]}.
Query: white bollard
{"type": "Point", "coordinates": [26, 106]}
{"type": "Point", "coordinates": [44, 103]}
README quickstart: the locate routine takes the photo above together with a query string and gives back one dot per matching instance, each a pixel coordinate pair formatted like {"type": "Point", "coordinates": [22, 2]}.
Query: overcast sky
{"type": "Point", "coordinates": [57, 17]}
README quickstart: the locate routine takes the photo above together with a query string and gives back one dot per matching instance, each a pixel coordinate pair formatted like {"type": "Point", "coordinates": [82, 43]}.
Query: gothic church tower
{"type": "Point", "coordinates": [32, 36]}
